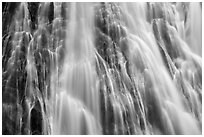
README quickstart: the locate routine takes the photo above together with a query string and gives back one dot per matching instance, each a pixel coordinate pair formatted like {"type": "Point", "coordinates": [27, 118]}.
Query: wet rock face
{"type": "Point", "coordinates": [33, 10]}
{"type": "Point", "coordinates": [8, 11]}
{"type": "Point", "coordinates": [16, 87]}
{"type": "Point", "coordinates": [133, 95]}
{"type": "Point", "coordinates": [109, 44]}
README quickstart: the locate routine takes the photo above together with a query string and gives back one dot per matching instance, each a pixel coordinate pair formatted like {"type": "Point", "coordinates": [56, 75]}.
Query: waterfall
{"type": "Point", "coordinates": [101, 68]}
{"type": "Point", "coordinates": [76, 107]}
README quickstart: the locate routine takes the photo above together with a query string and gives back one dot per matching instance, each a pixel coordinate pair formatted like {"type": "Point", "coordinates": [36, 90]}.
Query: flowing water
{"type": "Point", "coordinates": [102, 68]}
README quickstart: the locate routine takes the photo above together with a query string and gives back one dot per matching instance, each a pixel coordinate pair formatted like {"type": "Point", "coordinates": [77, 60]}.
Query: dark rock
{"type": "Point", "coordinates": [33, 10]}
{"type": "Point", "coordinates": [36, 120]}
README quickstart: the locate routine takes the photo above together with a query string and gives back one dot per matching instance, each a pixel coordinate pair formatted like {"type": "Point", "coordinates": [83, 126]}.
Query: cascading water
{"type": "Point", "coordinates": [102, 68]}
{"type": "Point", "coordinates": [76, 106]}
